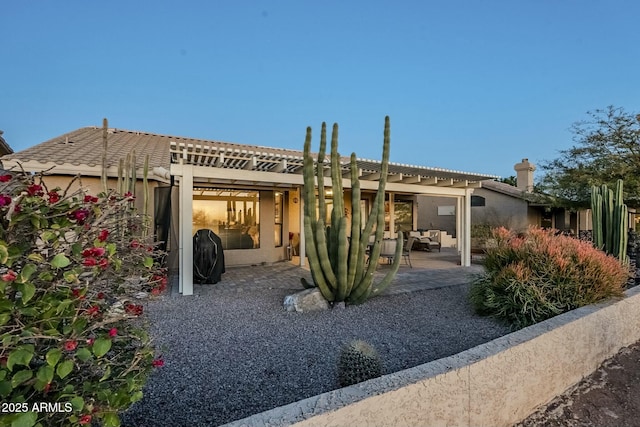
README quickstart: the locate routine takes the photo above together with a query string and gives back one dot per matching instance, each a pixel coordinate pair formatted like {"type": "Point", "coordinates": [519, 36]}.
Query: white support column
{"type": "Point", "coordinates": [303, 248]}
{"type": "Point", "coordinates": [186, 231]}
{"type": "Point", "coordinates": [459, 220]}
{"type": "Point", "coordinates": [466, 225]}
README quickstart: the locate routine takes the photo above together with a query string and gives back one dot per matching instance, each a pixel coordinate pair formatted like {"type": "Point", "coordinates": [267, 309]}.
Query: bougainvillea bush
{"type": "Point", "coordinates": [532, 276]}
{"type": "Point", "coordinates": [74, 346]}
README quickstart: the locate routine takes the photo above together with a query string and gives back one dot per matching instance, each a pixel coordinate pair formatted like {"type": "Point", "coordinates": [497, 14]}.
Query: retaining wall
{"type": "Point", "coordinates": [495, 384]}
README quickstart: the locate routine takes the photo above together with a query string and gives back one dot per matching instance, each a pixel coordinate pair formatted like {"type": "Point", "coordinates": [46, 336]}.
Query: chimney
{"type": "Point", "coordinates": [524, 177]}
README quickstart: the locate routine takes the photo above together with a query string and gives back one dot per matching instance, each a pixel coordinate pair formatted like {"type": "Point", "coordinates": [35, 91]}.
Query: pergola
{"type": "Point", "coordinates": [272, 168]}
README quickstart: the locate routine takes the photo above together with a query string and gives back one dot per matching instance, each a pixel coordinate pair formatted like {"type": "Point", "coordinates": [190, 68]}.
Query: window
{"type": "Point", "coordinates": [477, 201]}
{"type": "Point", "coordinates": [231, 214]}
{"type": "Point", "coordinates": [403, 211]}
{"type": "Point", "coordinates": [278, 214]}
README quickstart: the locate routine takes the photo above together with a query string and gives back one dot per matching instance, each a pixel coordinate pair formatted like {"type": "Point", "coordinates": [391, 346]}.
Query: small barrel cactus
{"type": "Point", "coordinates": [358, 362]}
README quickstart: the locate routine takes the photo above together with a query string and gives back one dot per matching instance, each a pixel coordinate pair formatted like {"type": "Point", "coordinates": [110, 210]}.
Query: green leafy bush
{"type": "Point", "coordinates": [74, 349]}
{"type": "Point", "coordinates": [536, 275]}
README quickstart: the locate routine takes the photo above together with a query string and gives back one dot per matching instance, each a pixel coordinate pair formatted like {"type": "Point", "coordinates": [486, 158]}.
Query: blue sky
{"type": "Point", "coordinates": [469, 85]}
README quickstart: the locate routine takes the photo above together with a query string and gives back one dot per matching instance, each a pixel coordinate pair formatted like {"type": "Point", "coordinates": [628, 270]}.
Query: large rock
{"type": "Point", "coordinates": [307, 300]}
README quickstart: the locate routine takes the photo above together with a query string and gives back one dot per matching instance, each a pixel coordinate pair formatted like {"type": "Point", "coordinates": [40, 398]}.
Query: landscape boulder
{"type": "Point", "coordinates": [304, 301]}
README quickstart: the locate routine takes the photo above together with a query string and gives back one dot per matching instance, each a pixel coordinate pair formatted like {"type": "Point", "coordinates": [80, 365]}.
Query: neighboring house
{"type": "Point", "coordinates": [500, 204]}
{"type": "Point", "coordinates": [4, 147]}
{"type": "Point", "coordinates": [249, 195]}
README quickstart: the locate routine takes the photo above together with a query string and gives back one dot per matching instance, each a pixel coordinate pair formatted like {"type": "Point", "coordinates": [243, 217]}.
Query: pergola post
{"type": "Point", "coordinates": [466, 232]}
{"type": "Point", "coordinates": [186, 231]}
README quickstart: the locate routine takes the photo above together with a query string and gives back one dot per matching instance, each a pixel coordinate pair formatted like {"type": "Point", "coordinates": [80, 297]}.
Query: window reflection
{"type": "Point", "coordinates": [231, 214]}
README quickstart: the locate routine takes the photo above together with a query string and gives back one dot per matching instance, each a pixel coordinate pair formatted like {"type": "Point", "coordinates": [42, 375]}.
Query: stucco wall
{"type": "Point", "coordinates": [495, 384]}
{"type": "Point", "coordinates": [500, 210]}
{"type": "Point", "coordinates": [428, 218]}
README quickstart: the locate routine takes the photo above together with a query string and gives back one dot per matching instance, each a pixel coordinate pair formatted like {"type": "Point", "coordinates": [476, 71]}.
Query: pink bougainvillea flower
{"type": "Point", "coordinates": [53, 197]}
{"type": "Point", "coordinates": [134, 244]}
{"type": "Point", "coordinates": [89, 262]}
{"type": "Point", "coordinates": [93, 252]}
{"type": "Point", "coordinates": [94, 309]}
{"type": "Point", "coordinates": [35, 190]}
{"type": "Point", "coordinates": [133, 309]}
{"type": "Point", "coordinates": [113, 332]}
{"type": "Point", "coordinates": [70, 345]}
{"type": "Point", "coordinates": [90, 199]}
{"type": "Point", "coordinates": [90, 341]}
{"type": "Point", "coordinates": [80, 215]}
{"type": "Point", "coordinates": [85, 419]}
{"type": "Point", "coordinates": [5, 178]}
{"type": "Point", "coordinates": [5, 200]}
{"type": "Point", "coordinates": [103, 263]}
{"type": "Point", "coordinates": [103, 235]}
{"type": "Point", "coordinates": [9, 276]}
{"type": "Point", "coordinates": [158, 363]}
{"type": "Point", "coordinates": [129, 195]}
{"type": "Point", "coordinates": [156, 291]}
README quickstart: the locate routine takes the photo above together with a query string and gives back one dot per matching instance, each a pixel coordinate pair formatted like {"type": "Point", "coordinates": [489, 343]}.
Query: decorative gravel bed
{"type": "Point", "coordinates": [229, 355]}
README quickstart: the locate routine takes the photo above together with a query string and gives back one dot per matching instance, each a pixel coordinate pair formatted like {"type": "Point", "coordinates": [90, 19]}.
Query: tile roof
{"type": "Point", "coordinates": [84, 147]}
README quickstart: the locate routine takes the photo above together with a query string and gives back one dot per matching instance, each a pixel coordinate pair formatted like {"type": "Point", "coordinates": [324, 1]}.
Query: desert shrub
{"type": "Point", "coordinates": [532, 276]}
{"type": "Point", "coordinates": [74, 349]}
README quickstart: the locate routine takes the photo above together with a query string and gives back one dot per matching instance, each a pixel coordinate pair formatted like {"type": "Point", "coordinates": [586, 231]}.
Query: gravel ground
{"type": "Point", "coordinates": [229, 355]}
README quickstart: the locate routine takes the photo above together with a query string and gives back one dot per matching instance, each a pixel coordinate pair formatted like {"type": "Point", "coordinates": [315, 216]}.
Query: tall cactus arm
{"type": "Point", "coordinates": [322, 204]}
{"type": "Point", "coordinates": [308, 186]}
{"type": "Point", "coordinates": [355, 256]}
{"type": "Point", "coordinates": [314, 263]}
{"type": "Point", "coordinates": [342, 283]}
{"type": "Point", "coordinates": [323, 255]}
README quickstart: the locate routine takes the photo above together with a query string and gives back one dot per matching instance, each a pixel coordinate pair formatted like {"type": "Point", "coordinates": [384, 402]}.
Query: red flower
{"type": "Point", "coordinates": [53, 197]}
{"type": "Point", "coordinates": [5, 200]}
{"type": "Point", "coordinates": [47, 387]}
{"type": "Point", "coordinates": [85, 419]}
{"type": "Point", "coordinates": [90, 341]}
{"type": "Point", "coordinates": [113, 332]}
{"type": "Point", "coordinates": [103, 235]}
{"type": "Point", "coordinates": [134, 244]}
{"type": "Point", "coordinates": [129, 195]}
{"type": "Point", "coordinates": [133, 309]}
{"type": "Point", "coordinates": [35, 190]}
{"type": "Point", "coordinates": [5, 178]}
{"type": "Point", "coordinates": [76, 293]}
{"type": "Point", "coordinates": [89, 262]}
{"type": "Point", "coordinates": [93, 252]}
{"type": "Point", "coordinates": [90, 199]}
{"type": "Point", "coordinates": [70, 345]}
{"type": "Point", "coordinates": [94, 309]}
{"type": "Point", "coordinates": [158, 363]}
{"type": "Point", "coordinates": [103, 263]}
{"type": "Point", "coordinates": [9, 276]}
{"type": "Point", "coordinates": [100, 295]}
{"type": "Point", "coordinates": [156, 291]}
{"type": "Point", "coordinates": [79, 215]}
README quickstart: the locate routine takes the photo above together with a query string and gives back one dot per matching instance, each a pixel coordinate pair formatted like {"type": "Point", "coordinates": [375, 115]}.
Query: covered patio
{"type": "Point", "coordinates": [275, 175]}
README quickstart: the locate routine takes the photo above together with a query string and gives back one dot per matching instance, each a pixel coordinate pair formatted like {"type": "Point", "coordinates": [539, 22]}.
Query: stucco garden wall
{"type": "Point", "coordinates": [495, 384]}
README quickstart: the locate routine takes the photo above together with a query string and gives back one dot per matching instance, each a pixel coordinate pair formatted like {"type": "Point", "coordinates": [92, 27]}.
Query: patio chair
{"type": "Point", "coordinates": [435, 241]}
{"type": "Point", "coordinates": [406, 250]}
{"type": "Point", "coordinates": [388, 249]}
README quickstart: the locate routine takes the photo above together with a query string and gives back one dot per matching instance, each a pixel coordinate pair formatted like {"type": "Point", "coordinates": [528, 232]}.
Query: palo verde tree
{"type": "Point", "coordinates": [337, 263]}
{"type": "Point", "coordinates": [607, 148]}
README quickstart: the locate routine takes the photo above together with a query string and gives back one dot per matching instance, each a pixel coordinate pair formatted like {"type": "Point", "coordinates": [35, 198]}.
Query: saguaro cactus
{"type": "Point", "coordinates": [337, 263]}
{"type": "Point", "coordinates": [610, 220]}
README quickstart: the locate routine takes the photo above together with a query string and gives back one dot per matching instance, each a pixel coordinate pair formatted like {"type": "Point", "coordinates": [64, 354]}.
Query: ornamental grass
{"type": "Point", "coordinates": [532, 276]}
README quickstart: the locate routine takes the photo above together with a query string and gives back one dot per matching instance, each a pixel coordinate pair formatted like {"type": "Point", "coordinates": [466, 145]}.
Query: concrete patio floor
{"type": "Point", "coordinates": [431, 270]}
